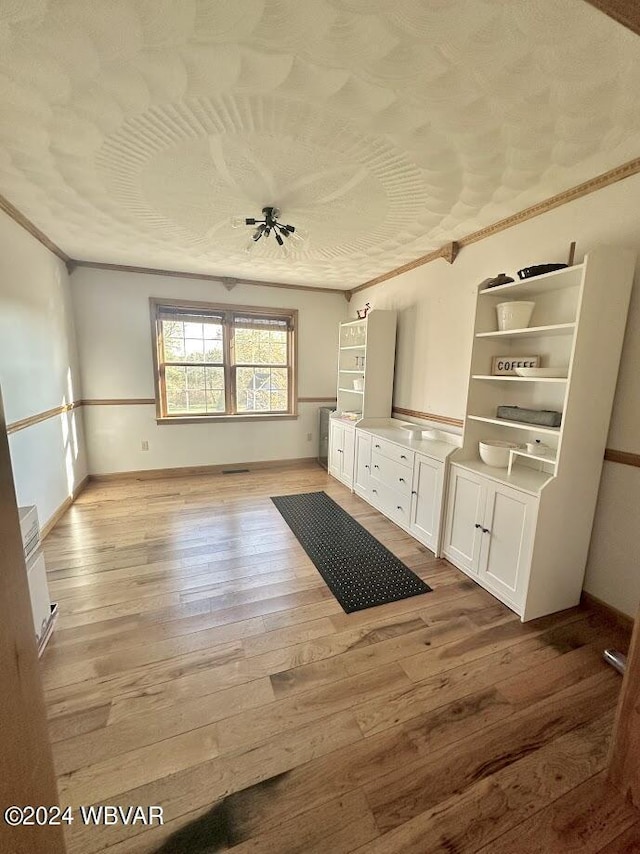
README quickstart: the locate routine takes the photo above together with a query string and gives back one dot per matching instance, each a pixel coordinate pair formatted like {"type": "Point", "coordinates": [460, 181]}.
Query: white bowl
{"type": "Point", "coordinates": [514, 315]}
{"type": "Point", "coordinates": [558, 373]}
{"type": "Point", "coordinates": [496, 454]}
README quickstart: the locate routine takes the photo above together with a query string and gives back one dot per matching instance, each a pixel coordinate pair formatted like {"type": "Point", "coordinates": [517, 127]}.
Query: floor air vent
{"type": "Point", "coordinates": [235, 471]}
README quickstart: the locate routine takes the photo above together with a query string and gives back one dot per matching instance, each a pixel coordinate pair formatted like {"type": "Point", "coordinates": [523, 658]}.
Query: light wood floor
{"type": "Point", "coordinates": [201, 664]}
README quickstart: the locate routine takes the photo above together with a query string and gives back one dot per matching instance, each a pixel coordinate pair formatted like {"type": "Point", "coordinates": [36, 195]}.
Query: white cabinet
{"type": "Point", "coordinates": [391, 481]}
{"type": "Point", "coordinates": [426, 504]}
{"type": "Point", "coordinates": [403, 478]}
{"type": "Point", "coordinates": [540, 511]}
{"type": "Point", "coordinates": [507, 536]}
{"type": "Point", "coordinates": [342, 451]}
{"type": "Point", "coordinates": [465, 510]}
{"type": "Point", "coordinates": [362, 483]}
{"type": "Point", "coordinates": [489, 534]}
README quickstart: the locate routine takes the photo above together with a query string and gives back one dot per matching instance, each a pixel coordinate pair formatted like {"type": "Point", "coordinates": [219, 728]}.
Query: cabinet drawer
{"type": "Point", "coordinates": [393, 452]}
{"type": "Point", "coordinates": [391, 474]}
{"type": "Point", "coordinates": [392, 503]}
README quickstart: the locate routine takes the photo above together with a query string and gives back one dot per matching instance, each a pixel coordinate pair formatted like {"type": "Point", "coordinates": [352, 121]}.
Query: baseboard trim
{"type": "Point", "coordinates": [50, 524]}
{"type": "Point", "coordinates": [607, 611]}
{"type": "Point", "coordinates": [189, 471]}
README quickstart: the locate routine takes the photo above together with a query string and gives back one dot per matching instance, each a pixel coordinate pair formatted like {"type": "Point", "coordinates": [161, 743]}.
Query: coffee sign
{"type": "Point", "coordinates": [505, 366]}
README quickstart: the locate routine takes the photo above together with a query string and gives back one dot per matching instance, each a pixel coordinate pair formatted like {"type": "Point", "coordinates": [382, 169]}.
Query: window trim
{"type": "Point", "coordinates": [228, 310]}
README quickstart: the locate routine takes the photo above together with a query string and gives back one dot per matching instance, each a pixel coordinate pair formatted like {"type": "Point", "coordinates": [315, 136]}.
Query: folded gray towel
{"type": "Point", "coordinates": [541, 417]}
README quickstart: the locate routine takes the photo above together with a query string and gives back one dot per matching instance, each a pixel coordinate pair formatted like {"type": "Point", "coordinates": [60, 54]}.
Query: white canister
{"type": "Point", "coordinates": [514, 315]}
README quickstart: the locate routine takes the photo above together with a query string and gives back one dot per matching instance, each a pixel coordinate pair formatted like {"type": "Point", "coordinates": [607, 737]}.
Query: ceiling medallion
{"type": "Point", "coordinates": [269, 225]}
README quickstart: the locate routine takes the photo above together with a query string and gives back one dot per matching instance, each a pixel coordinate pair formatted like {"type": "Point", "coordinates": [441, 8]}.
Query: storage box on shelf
{"type": "Point", "coordinates": [523, 531]}
{"type": "Point", "coordinates": [366, 358]}
{"type": "Point", "coordinates": [403, 475]}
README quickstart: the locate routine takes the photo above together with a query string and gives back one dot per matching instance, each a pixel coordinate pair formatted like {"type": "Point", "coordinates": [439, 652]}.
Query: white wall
{"type": "Point", "coordinates": [38, 370]}
{"type": "Point", "coordinates": [436, 310]}
{"type": "Point", "coordinates": [114, 340]}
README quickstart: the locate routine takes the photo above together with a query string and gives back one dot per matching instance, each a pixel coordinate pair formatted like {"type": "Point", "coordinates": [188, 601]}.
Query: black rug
{"type": "Point", "coordinates": [359, 571]}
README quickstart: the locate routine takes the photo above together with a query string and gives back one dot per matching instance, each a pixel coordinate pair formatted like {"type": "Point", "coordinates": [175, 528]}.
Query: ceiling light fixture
{"type": "Point", "coordinates": [268, 225]}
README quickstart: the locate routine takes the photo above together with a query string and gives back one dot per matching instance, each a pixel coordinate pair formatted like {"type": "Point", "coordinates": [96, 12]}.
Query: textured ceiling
{"type": "Point", "coordinates": [132, 130]}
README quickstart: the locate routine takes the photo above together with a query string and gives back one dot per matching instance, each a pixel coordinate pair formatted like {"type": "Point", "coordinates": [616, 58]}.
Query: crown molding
{"type": "Point", "coordinates": [13, 212]}
{"type": "Point", "coordinates": [448, 252]}
{"type": "Point", "coordinates": [626, 170]}
{"type": "Point", "coordinates": [228, 282]}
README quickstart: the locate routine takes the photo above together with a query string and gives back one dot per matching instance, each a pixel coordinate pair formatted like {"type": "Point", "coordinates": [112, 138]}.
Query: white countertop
{"type": "Point", "coordinates": [437, 449]}
{"type": "Point", "coordinates": [522, 478]}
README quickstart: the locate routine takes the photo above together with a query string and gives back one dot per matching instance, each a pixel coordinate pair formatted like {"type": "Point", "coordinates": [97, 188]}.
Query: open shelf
{"type": "Point", "coordinates": [569, 277]}
{"type": "Point", "coordinates": [493, 378]}
{"type": "Point", "coordinates": [354, 347]}
{"type": "Point", "coordinates": [530, 331]}
{"type": "Point", "coordinates": [509, 528]}
{"type": "Point", "coordinates": [351, 390]}
{"type": "Point", "coordinates": [550, 457]}
{"type": "Point", "coordinates": [349, 371]}
{"type": "Point", "coordinates": [518, 425]}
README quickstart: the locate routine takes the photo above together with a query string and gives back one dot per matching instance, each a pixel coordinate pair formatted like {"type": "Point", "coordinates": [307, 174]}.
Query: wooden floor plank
{"type": "Point", "coordinates": [498, 801]}
{"type": "Point", "coordinates": [400, 796]}
{"type": "Point", "coordinates": [627, 843]}
{"type": "Point", "coordinates": [125, 734]}
{"type": "Point", "coordinates": [201, 663]}
{"type": "Point", "coordinates": [208, 782]}
{"type": "Point", "coordinates": [583, 821]}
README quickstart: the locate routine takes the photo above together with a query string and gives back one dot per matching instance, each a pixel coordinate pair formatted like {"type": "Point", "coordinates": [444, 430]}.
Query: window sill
{"type": "Point", "coordinates": [216, 419]}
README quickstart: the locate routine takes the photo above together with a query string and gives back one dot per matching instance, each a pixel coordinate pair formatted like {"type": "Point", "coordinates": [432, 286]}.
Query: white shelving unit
{"type": "Point", "coordinates": [524, 532]}
{"type": "Point", "coordinates": [366, 356]}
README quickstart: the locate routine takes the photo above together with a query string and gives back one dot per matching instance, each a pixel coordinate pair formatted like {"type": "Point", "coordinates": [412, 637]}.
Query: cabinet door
{"type": "Point", "coordinates": [336, 432]}
{"type": "Point", "coordinates": [426, 505]}
{"type": "Point", "coordinates": [363, 462]}
{"type": "Point", "coordinates": [465, 512]}
{"type": "Point", "coordinates": [348, 454]}
{"type": "Point", "coordinates": [509, 522]}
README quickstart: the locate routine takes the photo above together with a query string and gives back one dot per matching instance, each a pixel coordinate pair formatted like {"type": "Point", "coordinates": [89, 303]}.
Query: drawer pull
{"type": "Point", "coordinates": [340, 451]}
{"type": "Point", "coordinates": [478, 525]}
{"type": "Point", "coordinates": [413, 492]}
{"type": "Point", "coordinates": [366, 466]}
{"type": "Point", "coordinates": [376, 446]}
{"type": "Point", "coordinates": [486, 531]}
{"type": "Point", "coordinates": [402, 480]}
{"type": "Point", "coordinates": [375, 491]}
{"type": "Point", "coordinates": [403, 456]}
{"type": "Point", "coordinates": [376, 466]}
{"type": "Point", "coordinates": [398, 507]}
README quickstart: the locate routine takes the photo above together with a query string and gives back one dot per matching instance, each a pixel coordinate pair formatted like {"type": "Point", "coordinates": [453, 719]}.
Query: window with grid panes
{"type": "Point", "coordinates": [220, 361]}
